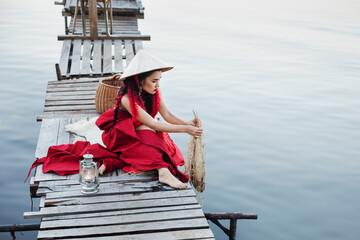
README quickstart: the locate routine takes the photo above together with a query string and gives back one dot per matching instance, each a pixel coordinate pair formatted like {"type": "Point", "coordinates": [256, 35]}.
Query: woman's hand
{"type": "Point", "coordinates": [195, 122]}
{"type": "Point", "coordinates": [194, 131]}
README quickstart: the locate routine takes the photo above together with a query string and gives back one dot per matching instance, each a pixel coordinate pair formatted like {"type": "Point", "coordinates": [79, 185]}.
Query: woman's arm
{"type": "Point", "coordinates": [147, 120]}
{"type": "Point", "coordinates": [169, 116]}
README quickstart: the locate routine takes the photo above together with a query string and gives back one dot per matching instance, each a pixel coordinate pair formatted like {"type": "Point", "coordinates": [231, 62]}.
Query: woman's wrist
{"type": "Point", "coordinates": [188, 122]}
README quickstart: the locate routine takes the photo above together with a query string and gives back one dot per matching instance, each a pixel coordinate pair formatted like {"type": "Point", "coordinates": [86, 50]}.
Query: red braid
{"type": "Point", "coordinates": [119, 96]}
{"type": "Point", "coordinates": [132, 88]}
{"type": "Point", "coordinates": [156, 104]}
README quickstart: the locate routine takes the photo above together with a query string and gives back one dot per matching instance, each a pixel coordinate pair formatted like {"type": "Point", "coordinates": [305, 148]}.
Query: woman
{"type": "Point", "coordinates": [131, 131]}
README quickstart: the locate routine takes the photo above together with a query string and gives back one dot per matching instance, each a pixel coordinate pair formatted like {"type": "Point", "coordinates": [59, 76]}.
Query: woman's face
{"type": "Point", "coordinates": [152, 82]}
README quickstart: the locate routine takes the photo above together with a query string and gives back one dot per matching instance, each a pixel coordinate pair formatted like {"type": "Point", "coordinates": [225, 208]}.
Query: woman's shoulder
{"type": "Point", "coordinates": [124, 98]}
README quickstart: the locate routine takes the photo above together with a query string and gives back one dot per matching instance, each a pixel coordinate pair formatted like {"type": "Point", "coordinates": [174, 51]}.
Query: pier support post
{"type": "Point", "coordinates": [232, 234]}
{"type": "Point", "coordinates": [93, 18]}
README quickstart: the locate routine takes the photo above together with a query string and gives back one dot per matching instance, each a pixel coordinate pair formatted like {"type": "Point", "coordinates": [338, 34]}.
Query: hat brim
{"type": "Point", "coordinates": [144, 62]}
{"type": "Point", "coordinates": [123, 76]}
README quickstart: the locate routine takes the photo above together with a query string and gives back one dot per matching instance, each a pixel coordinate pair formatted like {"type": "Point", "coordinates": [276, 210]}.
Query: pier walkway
{"type": "Point", "coordinates": [126, 206]}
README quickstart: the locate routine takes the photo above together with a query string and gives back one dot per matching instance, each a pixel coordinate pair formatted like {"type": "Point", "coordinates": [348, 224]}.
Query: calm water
{"type": "Point", "coordinates": [276, 84]}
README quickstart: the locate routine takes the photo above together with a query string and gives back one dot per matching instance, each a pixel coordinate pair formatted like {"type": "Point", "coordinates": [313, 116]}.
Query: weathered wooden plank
{"type": "Point", "coordinates": [116, 19]}
{"type": "Point", "coordinates": [69, 98]}
{"type": "Point", "coordinates": [124, 5]}
{"type": "Point", "coordinates": [107, 62]}
{"type": "Point", "coordinates": [140, 6]}
{"type": "Point", "coordinates": [64, 57]}
{"type": "Point", "coordinates": [124, 212]}
{"type": "Point", "coordinates": [68, 210]}
{"type": "Point", "coordinates": [127, 219]}
{"type": "Point", "coordinates": [129, 51]}
{"type": "Point", "coordinates": [108, 188]}
{"type": "Point", "coordinates": [118, 46]}
{"type": "Point", "coordinates": [33, 186]}
{"type": "Point", "coordinates": [138, 45]}
{"type": "Point", "coordinates": [69, 108]}
{"type": "Point", "coordinates": [40, 176]}
{"type": "Point", "coordinates": [47, 137]}
{"type": "Point", "coordinates": [104, 189]}
{"type": "Point", "coordinates": [120, 197]}
{"type": "Point", "coordinates": [67, 114]}
{"type": "Point", "coordinates": [42, 202]}
{"type": "Point", "coordinates": [126, 228]}
{"type": "Point", "coordinates": [63, 136]}
{"type": "Point", "coordinates": [70, 93]}
{"type": "Point", "coordinates": [169, 235]}
{"type": "Point", "coordinates": [97, 57]}
{"type": "Point", "coordinates": [118, 5]}
{"type": "Point", "coordinates": [123, 21]}
{"type": "Point", "coordinates": [121, 25]}
{"type": "Point", "coordinates": [123, 178]}
{"type": "Point", "coordinates": [113, 37]}
{"type": "Point", "coordinates": [67, 4]}
{"type": "Point", "coordinates": [72, 89]}
{"type": "Point", "coordinates": [85, 64]}
{"type": "Point", "coordinates": [75, 62]}
{"type": "Point", "coordinates": [49, 103]}
{"type": "Point", "coordinates": [72, 85]}
{"type": "Point", "coordinates": [173, 235]}
{"type": "Point", "coordinates": [74, 81]}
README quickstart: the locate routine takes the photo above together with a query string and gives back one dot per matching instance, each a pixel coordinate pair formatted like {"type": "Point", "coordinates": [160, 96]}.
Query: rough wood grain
{"type": "Point", "coordinates": [118, 47]}
{"type": "Point", "coordinates": [120, 197]}
{"type": "Point", "coordinates": [72, 85]}
{"type": "Point", "coordinates": [75, 62]}
{"type": "Point", "coordinates": [125, 212]}
{"type": "Point", "coordinates": [85, 64]}
{"type": "Point", "coordinates": [129, 51]}
{"type": "Point", "coordinates": [138, 45]}
{"type": "Point", "coordinates": [69, 108]}
{"type": "Point", "coordinates": [102, 207]}
{"type": "Point", "coordinates": [133, 218]}
{"type": "Point", "coordinates": [126, 228]}
{"type": "Point", "coordinates": [68, 93]}
{"type": "Point", "coordinates": [168, 235]}
{"type": "Point", "coordinates": [63, 136]}
{"type": "Point", "coordinates": [47, 136]}
{"type": "Point", "coordinates": [64, 57]}
{"type": "Point", "coordinates": [105, 189]}
{"type": "Point", "coordinates": [97, 59]}
{"type": "Point", "coordinates": [49, 103]}
{"type": "Point", "coordinates": [107, 68]}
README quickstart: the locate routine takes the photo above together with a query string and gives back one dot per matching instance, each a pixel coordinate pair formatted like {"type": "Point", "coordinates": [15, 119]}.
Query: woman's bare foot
{"type": "Point", "coordinates": [166, 177]}
{"type": "Point", "coordinates": [102, 169]}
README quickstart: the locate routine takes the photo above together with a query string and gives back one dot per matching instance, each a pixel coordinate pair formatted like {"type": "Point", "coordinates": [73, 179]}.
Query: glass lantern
{"type": "Point", "coordinates": [89, 175]}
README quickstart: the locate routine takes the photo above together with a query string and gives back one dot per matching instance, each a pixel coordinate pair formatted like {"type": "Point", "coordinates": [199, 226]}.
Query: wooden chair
{"type": "Point", "coordinates": [107, 7]}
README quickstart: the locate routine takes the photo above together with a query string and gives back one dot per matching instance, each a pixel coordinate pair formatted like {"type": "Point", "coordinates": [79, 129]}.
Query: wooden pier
{"type": "Point", "coordinates": [126, 206]}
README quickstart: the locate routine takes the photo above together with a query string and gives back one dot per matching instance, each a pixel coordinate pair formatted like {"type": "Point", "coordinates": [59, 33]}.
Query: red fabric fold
{"type": "Point", "coordinates": [142, 149]}
{"type": "Point", "coordinates": [64, 159]}
{"type": "Point", "coordinates": [130, 150]}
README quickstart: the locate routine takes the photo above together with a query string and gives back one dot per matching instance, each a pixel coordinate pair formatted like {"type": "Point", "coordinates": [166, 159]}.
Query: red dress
{"type": "Point", "coordinates": [141, 149]}
{"type": "Point", "coordinates": [126, 148]}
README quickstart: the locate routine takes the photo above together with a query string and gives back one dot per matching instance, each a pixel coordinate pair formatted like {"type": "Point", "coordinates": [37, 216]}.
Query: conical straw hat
{"type": "Point", "coordinates": [144, 62]}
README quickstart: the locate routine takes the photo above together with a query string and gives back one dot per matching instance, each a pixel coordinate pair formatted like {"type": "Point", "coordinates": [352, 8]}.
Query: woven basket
{"type": "Point", "coordinates": [107, 92]}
